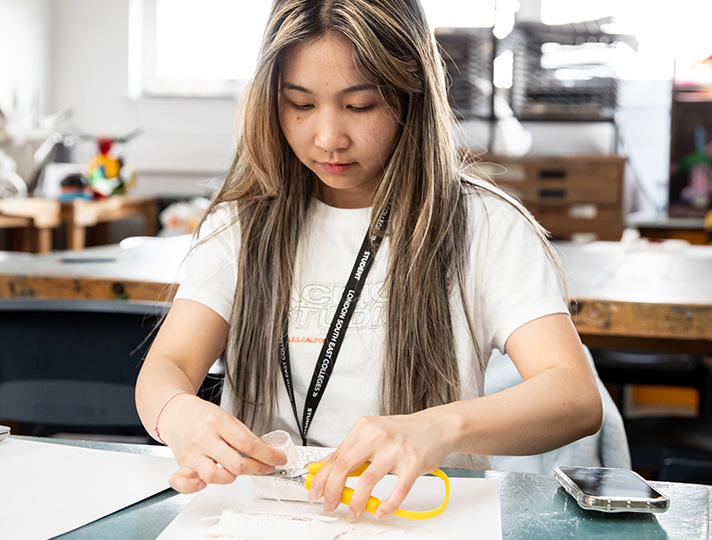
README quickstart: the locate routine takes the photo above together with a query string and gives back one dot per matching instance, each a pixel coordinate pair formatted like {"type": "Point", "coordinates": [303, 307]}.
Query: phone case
{"type": "Point", "coordinates": [612, 504]}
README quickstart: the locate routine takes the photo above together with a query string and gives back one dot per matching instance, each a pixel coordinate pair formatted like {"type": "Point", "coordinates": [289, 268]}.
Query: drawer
{"type": "Point", "coordinates": [563, 193]}
{"type": "Point", "coordinates": [598, 188]}
{"type": "Point", "coordinates": [559, 180]}
{"type": "Point", "coordinates": [568, 195]}
{"type": "Point", "coordinates": [605, 222]}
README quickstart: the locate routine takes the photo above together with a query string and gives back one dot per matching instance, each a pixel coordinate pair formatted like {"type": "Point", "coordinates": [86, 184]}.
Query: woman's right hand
{"type": "Point", "coordinates": [211, 446]}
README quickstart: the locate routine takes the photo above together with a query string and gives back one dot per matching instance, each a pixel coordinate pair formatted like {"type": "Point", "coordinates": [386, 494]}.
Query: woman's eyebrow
{"type": "Point", "coordinates": [364, 87]}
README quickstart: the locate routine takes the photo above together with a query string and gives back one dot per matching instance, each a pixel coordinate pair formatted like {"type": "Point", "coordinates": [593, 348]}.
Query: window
{"type": "Point", "coordinates": [668, 32]}
{"type": "Point", "coordinates": [208, 48]}
{"type": "Point", "coordinates": [193, 48]}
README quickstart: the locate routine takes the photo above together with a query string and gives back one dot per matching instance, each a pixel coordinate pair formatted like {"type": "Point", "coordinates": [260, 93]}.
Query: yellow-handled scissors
{"type": "Point", "coordinates": [307, 475]}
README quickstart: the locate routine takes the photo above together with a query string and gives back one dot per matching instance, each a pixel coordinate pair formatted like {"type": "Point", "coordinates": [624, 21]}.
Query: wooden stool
{"type": "Point", "coordinates": [33, 217]}
{"type": "Point", "coordinates": [662, 369]}
{"type": "Point", "coordinates": [80, 214]}
{"type": "Point", "coordinates": [672, 448]}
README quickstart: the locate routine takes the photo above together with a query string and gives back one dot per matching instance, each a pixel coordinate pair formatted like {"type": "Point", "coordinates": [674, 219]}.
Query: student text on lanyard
{"type": "Point", "coordinates": [337, 329]}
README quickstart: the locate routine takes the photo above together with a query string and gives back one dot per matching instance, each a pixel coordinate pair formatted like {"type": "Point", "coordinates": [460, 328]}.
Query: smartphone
{"type": "Point", "coordinates": [4, 432]}
{"type": "Point", "coordinates": [611, 490]}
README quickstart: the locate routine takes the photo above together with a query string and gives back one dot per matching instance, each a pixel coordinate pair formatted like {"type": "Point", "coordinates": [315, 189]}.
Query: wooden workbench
{"type": "Point", "coordinates": [621, 298]}
{"type": "Point", "coordinates": [143, 269]}
{"type": "Point", "coordinates": [651, 298]}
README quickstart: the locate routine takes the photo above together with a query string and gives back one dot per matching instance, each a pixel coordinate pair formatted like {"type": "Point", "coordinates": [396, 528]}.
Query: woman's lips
{"type": "Point", "coordinates": [335, 168]}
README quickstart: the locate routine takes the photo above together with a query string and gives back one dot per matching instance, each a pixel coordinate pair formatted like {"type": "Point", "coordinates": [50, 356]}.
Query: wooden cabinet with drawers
{"type": "Point", "coordinates": [571, 196]}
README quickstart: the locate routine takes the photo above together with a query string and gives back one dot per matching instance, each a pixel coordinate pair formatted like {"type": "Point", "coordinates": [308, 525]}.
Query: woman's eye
{"type": "Point", "coordinates": [300, 107]}
{"type": "Point", "coordinates": [360, 109]}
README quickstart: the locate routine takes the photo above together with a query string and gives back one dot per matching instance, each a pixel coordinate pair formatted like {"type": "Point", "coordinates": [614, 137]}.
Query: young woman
{"type": "Point", "coordinates": [358, 281]}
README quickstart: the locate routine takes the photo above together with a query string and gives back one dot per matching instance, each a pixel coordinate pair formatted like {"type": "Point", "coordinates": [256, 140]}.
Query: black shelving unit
{"type": "Point", "coordinates": [556, 74]}
{"type": "Point", "coordinates": [469, 55]}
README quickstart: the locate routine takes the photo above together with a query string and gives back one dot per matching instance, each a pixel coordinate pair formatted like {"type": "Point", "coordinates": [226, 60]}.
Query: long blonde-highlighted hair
{"type": "Point", "coordinates": [393, 49]}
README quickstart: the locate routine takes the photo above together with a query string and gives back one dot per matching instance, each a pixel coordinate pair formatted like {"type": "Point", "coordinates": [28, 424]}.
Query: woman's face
{"type": "Point", "coordinates": [337, 123]}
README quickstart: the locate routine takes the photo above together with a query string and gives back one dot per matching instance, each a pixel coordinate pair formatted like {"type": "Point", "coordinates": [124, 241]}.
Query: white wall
{"type": "Point", "coordinates": [24, 59]}
{"type": "Point", "coordinates": [644, 121]}
{"type": "Point", "coordinates": [183, 142]}
{"type": "Point", "coordinates": [24, 71]}
{"type": "Point", "coordinates": [186, 141]}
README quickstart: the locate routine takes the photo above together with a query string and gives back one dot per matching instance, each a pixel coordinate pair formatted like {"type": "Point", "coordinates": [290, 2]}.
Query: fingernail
{"type": "Point", "coordinates": [311, 494]}
{"type": "Point", "coordinates": [202, 485]}
{"type": "Point", "coordinates": [328, 508]}
{"type": "Point", "coordinates": [352, 513]}
{"type": "Point", "coordinates": [380, 514]}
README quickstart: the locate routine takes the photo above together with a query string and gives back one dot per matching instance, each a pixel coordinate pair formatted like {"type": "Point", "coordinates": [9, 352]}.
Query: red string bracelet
{"type": "Point", "coordinates": [155, 429]}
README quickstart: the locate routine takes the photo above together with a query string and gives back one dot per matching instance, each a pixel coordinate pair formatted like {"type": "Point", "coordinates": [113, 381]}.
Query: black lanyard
{"type": "Point", "coordinates": [337, 329]}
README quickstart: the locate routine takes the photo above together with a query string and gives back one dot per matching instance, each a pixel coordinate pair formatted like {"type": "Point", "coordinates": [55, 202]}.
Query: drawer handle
{"type": "Point", "coordinates": [552, 174]}
{"type": "Point", "coordinates": [552, 193]}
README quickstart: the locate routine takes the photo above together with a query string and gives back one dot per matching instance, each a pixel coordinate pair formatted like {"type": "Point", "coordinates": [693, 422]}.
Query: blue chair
{"type": "Point", "coordinates": [665, 447]}
{"type": "Point", "coordinates": [662, 369]}
{"type": "Point", "coordinates": [70, 366]}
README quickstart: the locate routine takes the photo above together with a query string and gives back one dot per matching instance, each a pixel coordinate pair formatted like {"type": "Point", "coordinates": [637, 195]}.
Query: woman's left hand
{"type": "Point", "coordinates": [408, 446]}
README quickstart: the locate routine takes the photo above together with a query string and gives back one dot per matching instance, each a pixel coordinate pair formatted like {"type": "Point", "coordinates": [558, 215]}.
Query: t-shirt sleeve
{"type": "Point", "coordinates": [210, 268]}
{"type": "Point", "coordinates": [516, 278]}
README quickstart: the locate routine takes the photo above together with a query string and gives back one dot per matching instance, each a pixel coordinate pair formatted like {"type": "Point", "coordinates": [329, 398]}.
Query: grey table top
{"type": "Point", "coordinates": [532, 507]}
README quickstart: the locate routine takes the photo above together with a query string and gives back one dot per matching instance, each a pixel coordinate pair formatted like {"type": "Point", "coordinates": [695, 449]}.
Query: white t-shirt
{"type": "Point", "coordinates": [511, 281]}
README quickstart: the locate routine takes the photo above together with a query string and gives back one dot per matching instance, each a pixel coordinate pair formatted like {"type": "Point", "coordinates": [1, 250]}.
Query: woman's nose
{"type": "Point", "coordinates": [330, 132]}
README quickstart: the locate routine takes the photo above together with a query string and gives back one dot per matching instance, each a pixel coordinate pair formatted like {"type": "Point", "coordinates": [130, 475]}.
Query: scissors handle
{"type": "Point", "coordinates": [373, 503]}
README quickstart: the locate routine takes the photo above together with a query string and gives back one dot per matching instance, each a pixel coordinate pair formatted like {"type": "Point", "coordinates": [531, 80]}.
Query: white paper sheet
{"type": "Point", "coordinates": [473, 512]}
{"type": "Point", "coordinates": [48, 489]}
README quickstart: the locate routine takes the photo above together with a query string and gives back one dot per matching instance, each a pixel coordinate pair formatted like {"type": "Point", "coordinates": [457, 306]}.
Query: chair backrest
{"type": "Point", "coordinates": [695, 469]}
{"type": "Point", "coordinates": [73, 362]}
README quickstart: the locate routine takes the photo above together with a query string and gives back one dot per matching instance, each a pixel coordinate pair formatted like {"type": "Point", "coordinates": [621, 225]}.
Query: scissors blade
{"type": "Point", "coordinates": [286, 473]}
